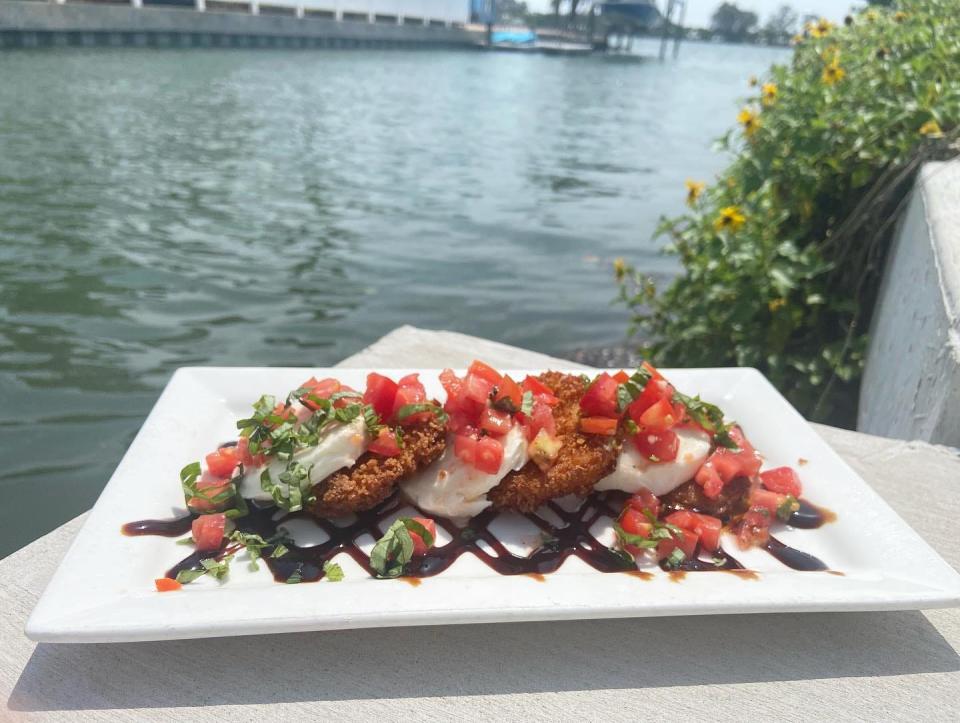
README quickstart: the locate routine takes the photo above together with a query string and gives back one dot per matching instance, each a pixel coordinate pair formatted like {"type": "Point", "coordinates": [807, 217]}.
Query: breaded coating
{"type": "Point", "coordinates": [373, 478]}
{"type": "Point", "coordinates": [583, 459]}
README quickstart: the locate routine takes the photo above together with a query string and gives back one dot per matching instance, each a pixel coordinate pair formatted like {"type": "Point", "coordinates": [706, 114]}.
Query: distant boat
{"type": "Point", "coordinates": [639, 13]}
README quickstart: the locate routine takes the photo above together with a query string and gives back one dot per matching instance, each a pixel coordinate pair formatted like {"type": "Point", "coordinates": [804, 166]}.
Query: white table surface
{"type": "Point", "coordinates": [851, 666]}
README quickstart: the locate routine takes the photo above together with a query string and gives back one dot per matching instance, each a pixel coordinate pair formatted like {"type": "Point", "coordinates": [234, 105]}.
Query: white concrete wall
{"type": "Point", "coordinates": [450, 11]}
{"type": "Point", "coordinates": [911, 384]}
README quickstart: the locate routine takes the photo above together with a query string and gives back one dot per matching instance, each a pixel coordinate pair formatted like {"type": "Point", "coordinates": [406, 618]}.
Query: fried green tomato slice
{"type": "Point", "coordinates": [583, 459]}
{"type": "Point", "coordinates": [373, 478]}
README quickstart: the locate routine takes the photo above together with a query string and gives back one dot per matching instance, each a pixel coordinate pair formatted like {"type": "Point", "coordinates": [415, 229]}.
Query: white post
{"type": "Point", "coordinates": [300, 11]}
{"type": "Point", "coordinates": [136, 3]}
{"type": "Point", "coordinates": [254, 7]}
{"type": "Point", "coordinates": [201, 6]}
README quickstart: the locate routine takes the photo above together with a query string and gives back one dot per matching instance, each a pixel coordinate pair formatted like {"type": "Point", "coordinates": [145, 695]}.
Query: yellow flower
{"type": "Point", "coordinates": [769, 93]}
{"type": "Point", "coordinates": [749, 120]}
{"type": "Point", "coordinates": [931, 129]}
{"type": "Point", "coordinates": [694, 189]}
{"type": "Point", "coordinates": [753, 81]}
{"type": "Point", "coordinates": [899, 16]}
{"type": "Point", "coordinates": [833, 73]}
{"type": "Point", "coordinates": [730, 219]}
{"type": "Point", "coordinates": [776, 304]}
{"type": "Point", "coordinates": [619, 268]}
{"type": "Point", "coordinates": [797, 39]}
{"type": "Point", "coordinates": [821, 28]}
{"type": "Point", "coordinates": [872, 16]}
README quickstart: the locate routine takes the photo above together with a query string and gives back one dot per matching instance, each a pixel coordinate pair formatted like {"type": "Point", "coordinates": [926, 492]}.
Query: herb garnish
{"type": "Point", "coordinates": [255, 545]}
{"type": "Point", "coordinates": [526, 404]}
{"type": "Point", "coordinates": [293, 491]}
{"type": "Point", "coordinates": [332, 571]}
{"type": "Point", "coordinates": [395, 549]}
{"type": "Point", "coordinates": [408, 409]}
{"type": "Point", "coordinates": [208, 566]}
{"type": "Point", "coordinates": [787, 508]}
{"type": "Point", "coordinates": [675, 558]}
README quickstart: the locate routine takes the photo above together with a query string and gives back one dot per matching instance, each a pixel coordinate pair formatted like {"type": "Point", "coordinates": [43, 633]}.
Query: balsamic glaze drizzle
{"type": "Point", "coordinates": [570, 537]}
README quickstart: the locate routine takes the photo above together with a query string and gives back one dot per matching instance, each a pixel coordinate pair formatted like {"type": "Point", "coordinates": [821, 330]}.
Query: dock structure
{"type": "Point", "coordinates": [237, 23]}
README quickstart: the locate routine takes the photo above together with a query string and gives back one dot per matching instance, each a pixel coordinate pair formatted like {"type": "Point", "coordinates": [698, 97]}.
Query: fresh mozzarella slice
{"type": "Point", "coordinates": [451, 488]}
{"type": "Point", "coordinates": [634, 471]}
{"type": "Point", "coordinates": [340, 447]}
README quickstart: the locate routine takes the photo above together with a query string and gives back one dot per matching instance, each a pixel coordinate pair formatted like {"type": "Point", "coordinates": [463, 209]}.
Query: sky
{"type": "Point", "coordinates": [699, 11]}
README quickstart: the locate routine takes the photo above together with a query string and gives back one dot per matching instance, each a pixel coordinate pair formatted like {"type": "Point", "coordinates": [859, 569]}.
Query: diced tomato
{"type": "Point", "coordinates": [539, 390]}
{"type": "Point", "coordinates": [385, 444]}
{"type": "Point", "coordinates": [635, 522]}
{"type": "Point", "coordinates": [783, 480]}
{"type": "Point", "coordinates": [509, 389]}
{"type": "Point", "coordinates": [541, 418]}
{"type": "Point", "coordinates": [660, 416]}
{"type": "Point", "coordinates": [762, 499]}
{"type": "Point", "coordinates": [459, 422]}
{"type": "Point", "coordinates": [243, 452]}
{"type": "Point", "coordinates": [410, 391]}
{"type": "Point", "coordinates": [651, 370]}
{"type": "Point", "coordinates": [600, 399]}
{"type": "Point", "coordinates": [322, 389]}
{"type": "Point", "coordinates": [208, 531]}
{"type": "Point", "coordinates": [705, 526]}
{"type": "Point", "coordinates": [476, 388]}
{"type": "Point", "coordinates": [686, 540]}
{"type": "Point", "coordinates": [452, 384]}
{"type": "Point", "coordinates": [222, 462]}
{"type": "Point", "coordinates": [484, 371]}
{"type": "Point", "coordinates": [754, 529]}
{"type": "Point", "coordinates": [598, 425]}
{"type": "Point", "coordinates": [209, 488]}
{"type": "Point", "coordinates": [657, 446]}
{"type": "Point", "coordinates": [621, 377]}
{"type": "Point", "coordinates": [644, 499]}
{"type": "Point", "coordinates": [167, 584]}
{"type": "Point", "coordinates": [465, 447]}
{"type": "Point", "coordinates": [381, 393]}
{"type": "Point", "coordinates": [725, 465]}
{"type": "Point", "coordinates": [656, 390]}
{"type": "Point", "coordinates": [284, 412]}
{"type": "Point", "coordinates": [495, 422]}
{"type": "Point", "coordinates": [419, 546]}
{"type": "Point", "coordinates": [544, 450]}
{"type": "Point", "coordinates": [489, 455]}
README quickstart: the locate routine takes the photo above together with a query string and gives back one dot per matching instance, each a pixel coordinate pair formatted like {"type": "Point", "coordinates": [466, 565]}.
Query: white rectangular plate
{"type": "Point", "coordinates": [103, 590]}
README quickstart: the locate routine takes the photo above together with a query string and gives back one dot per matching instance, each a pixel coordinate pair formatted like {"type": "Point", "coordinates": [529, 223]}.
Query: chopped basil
{"type": "Point", "coordinates": [549, 542]}
{"type": "Point", "coordinates": [719, 561]}
{"type": "Point", "coordinates": [625, 557]}
{"type": "Point", "coordinates": [255, 545]}
{"type": "Point", "coordinates": [628, 538]}
{"type": "Point", "coordinates": [395, 549]}
{"type": "Point", "coordinates": [186, 541]}
{"type": "Point", "coordinates": [787, 508]}
{"type": "Point", "coordinates": [208, 566]}
{"type": "Point", "coordinates": [468, 534]}
{"type": "Point", "coordinates": [408, 409]}
{"type": "Point", "coordinates": [280, 550]}
{"type": "Point", "coordinates": [710, 417]}
{"type": "Point", "coordinates": [675, 558]}
{"type": "Point", "coordinates": [586, 379]}
{"type": "Point", "coordinates": [332, 571]}
{"type": "Point", "coordinates": [296, 576]}
{"type": "Point", "coordinates": [293, 492]}
{"type": "Point", "coordinates": [631, 426]}
{"type": "Point", "coordinates": [526, 404]}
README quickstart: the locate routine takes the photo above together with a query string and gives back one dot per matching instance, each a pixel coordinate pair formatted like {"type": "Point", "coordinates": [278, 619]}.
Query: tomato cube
{"type": "Point", "coordinates": [484, 371]}
{"type": "Point", "coordinates": [644, 499]}
{"type": "Point", "coordinates": [385, 444]}
{"type": "Point", "coordinates": [600, 399]}
{"type": "Point", "coordinates": [495, 422]}
{"type": "Point", "coordinates": [707, 528]}
{"type": "Point", "coordinates": [213, 495]}
{"type": "Point", "coordinates": [783, 480]}
{"type": "Point", "coordinates": [208, 531]}
{"type": "Point", "coordinates": [754, 530]}
{"type": "Point", "coordinates": [465, 448]}
{"type": "Point", "coordinates": [166, 584]}
{"type": "Point", "coordinates": [539, 390]}
{"type": "Point", "coordinates": [686, 540]}
{"type": "Point", "coordinates": [489, 455]}
{"type": "Point", "coordinates": [222, 462]}
{"type": "Point", "coordinates": [659, 416]}
{"type": "Point", "coordinates": [508, 394]}
{"type": "Point", "coordinates": [657, 446]}
{"type": "Point", "coordinates": [655, 390]}
{"type": "Point", "coordinates": [477, 389]}
{"type": "Point", "coordinates": [420, 547]}
{"type": "Point", "coordinates": [381, 393]}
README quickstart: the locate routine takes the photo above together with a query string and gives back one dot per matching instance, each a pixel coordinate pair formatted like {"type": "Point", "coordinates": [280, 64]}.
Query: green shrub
{"type": "Point", "coordinates": [782, 254]}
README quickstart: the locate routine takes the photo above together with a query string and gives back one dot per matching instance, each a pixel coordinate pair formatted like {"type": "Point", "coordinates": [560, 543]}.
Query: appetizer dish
{"type": "Point", "coordinates": [679, 484]}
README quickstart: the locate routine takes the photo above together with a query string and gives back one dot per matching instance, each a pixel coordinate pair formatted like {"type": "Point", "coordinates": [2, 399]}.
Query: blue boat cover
{"type": "Point", "coordinates": [513, 37]}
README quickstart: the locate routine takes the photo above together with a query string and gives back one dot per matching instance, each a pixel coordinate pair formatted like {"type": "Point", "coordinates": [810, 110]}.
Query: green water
{"type": "Point", "coordinates": [165, 208]}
